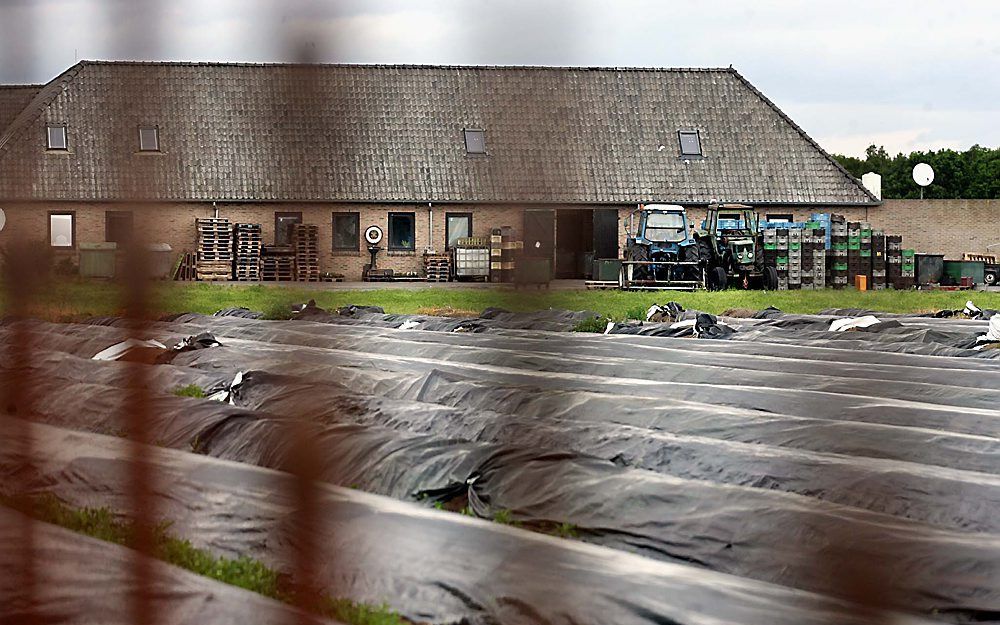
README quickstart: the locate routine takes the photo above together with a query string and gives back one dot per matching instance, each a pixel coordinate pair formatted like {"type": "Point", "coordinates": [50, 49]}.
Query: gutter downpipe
{"type": "Point", "coordinates": [430, 227]}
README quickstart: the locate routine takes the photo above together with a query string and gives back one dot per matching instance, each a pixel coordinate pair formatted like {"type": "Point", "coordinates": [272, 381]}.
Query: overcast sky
{"type": "Point", "coordinates": [909, 75]}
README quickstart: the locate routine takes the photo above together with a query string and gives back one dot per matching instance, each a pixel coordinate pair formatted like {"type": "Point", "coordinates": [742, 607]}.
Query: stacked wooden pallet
{"type": "Point", "coordinates": [248, 246]}
{"type": "Point", "coordinates": [215, 249]}
{"type": "Point", "coordinates": [305, 242]}
{"type": "Point", "coordinates": [187, 268]}
{"type": "Point", "coordinates": [277, 264]}
{"type": "Point", "coordinates": [437, 267]}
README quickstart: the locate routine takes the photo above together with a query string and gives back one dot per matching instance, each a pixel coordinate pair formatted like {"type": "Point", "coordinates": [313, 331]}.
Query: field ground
{"type": "Point", "coordinates": [74, 300]}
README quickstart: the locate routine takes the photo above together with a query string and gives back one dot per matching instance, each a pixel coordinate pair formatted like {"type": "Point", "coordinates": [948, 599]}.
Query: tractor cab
{"type": "Point", "coordinates": [735, 228]}
{"type": "Point", "coordinates": [660, 251]}
{"type": "Point", "coordinates": [663, 228]}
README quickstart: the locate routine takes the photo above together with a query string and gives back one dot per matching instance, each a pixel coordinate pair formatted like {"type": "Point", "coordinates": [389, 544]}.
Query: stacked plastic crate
{"type": "Point", "coordinates": [776, 253]}
{"type": "Point", "coordinates": [908, 276]}
{"type": "Point", "coordinates": [859, 255]}
{"type": "Point", "coordinates": [794, 258]}
{"type": "Point", "coordinates": [878, 277]}
{"type": "Point", "coordinates": [837, 261]}
{"type": "Point", "coordinates": [814, 255]}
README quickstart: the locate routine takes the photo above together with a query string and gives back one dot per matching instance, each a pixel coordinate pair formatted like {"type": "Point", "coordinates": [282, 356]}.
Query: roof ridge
{"type": "Point", "coordinates": [805, 135]}
{"type": "Point", "coordinates": [39, 103]}
{"type": "Point", "coordinates": [428, 66]}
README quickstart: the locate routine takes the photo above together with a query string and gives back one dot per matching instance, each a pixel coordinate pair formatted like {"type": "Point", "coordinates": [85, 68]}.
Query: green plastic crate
{"type": "Point", "coordinates": [840, 246]}
{"type": "Point", "coordinates": [770, 246]}
{"type": "Point", "coordinates": [782, 260]}
{"type": "Point", "coordinates": [840, 266]}
{"type": "Point", "coordinates": [854, 246]}
{"type": "Point", "coordinates": [908, 253]}
{"type": "Point", "coordinates": [866, 233]}
{"type": "Point", "coordinates": [854, 239]}
{"type": "Point", "coordinates": [866, 253]}
{"type": "Point", "coordinates": [795, 246]}
{"type": "Point", "coordinates": [909, 266]}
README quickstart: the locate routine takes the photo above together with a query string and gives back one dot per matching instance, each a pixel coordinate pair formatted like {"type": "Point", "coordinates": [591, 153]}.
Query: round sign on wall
{"type": "Point", "coordinates": [3, 219]}
{"type": "Point", "coordinates": [373, 235]}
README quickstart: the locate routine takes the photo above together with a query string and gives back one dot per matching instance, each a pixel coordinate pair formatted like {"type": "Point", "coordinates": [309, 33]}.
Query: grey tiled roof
{"type": "Point", "coordinates": [394, 133]}
{"type": "Point", "coordinates": [13, 100]}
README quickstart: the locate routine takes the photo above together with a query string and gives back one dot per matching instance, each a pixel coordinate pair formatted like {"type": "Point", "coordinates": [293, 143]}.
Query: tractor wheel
{"type": "Point", "coordinates": [692, 254]}
{"type": "Point", "coordinates": [990, 278]}
{"type": "Point", "coordinates": [637, 252]}
{"type": "Point", "coordinates": [770, 278]}
{"type": "Point", "coordinates": [705, 250]}
{"type": "Point", "coordinates": [716, 279]}
{"type": "Point", "coordinates": [640, 253]}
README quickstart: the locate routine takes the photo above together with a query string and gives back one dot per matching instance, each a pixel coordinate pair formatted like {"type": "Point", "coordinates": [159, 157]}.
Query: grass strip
{"type": "Point", "coordinates": [72, 300]}
{"type": "Point", "coordinates": [243, 572]}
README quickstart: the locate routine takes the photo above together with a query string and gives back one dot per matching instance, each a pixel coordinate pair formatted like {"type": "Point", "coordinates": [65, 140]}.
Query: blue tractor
{"type": "Point", "coordinates": [660, 252]}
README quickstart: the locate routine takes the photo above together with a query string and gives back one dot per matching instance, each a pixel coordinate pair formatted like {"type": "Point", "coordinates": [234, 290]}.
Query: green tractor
{"type": "Point", "coordinates": [731, 246]}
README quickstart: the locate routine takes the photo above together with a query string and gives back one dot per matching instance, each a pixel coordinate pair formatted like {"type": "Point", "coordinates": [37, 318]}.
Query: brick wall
{"type": "Point", "coordinates": [950, 227]}
{"type": "Point", "coordinates": [174, 224]}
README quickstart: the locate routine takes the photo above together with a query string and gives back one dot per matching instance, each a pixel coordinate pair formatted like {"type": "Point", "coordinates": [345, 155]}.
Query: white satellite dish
{"type": "Point", "coordinates": [923, 174]}
{"type": "Point", "coordinates": [3, 219]}
{"type": "Point", "coordinates": [373, 235]}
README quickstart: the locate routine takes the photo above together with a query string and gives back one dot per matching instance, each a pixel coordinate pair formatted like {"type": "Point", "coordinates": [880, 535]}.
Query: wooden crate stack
{"type": "Point", "coordinates": [305, 242]}
{"type": "Point", "coordinates": [277, 264]}
{"type": "Point", "coordinates": [248, 246]}
{"type": "Point", "coordinates": [437, 267]}
{"type": "Point", "coordinates": [215, 249]}
{"type": "Point", "coordinates": [504, 249]}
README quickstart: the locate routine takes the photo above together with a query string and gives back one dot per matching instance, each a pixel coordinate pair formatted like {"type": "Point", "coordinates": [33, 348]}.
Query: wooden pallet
{"type": "Point", "coordinates": [187, 268]}
{"type": "Point", "coordinates": [215, 249]}
{"type": "Point", "coordinates": [305, 243]}
{"type": "Point", "coordinates": [437, 267]}
{"type": "Point", "coordinates": [247, 251]}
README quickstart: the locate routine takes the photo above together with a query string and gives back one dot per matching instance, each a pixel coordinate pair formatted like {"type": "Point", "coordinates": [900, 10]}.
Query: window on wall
{"type": "Point", "coordinates": [118, 227]}
{"type": "Point", "coordinates": [402, 231]}
{"type": "Point", "coordinates": [346, 232]}
{"type": "Point", "coordinates": [62, 230]}
{"type": "Point", "coordinates": [780, 217]}
{"type": "Point", "coordinates": [690, 143]}
{"type": "Point", "coordinates": [56, 138]}
{"type": "Point", "coordinates": [283, 227]}
{"type": "Point", "coordinates": [149, 139]}
{"type": "Point", "coordinates": [457, 226]}
{"type": "Point", "coordinates": [475, 141]}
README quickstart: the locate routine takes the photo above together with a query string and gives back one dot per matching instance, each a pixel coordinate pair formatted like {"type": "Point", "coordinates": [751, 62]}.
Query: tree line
{"type": "Point", "coordinates": [972, 174]}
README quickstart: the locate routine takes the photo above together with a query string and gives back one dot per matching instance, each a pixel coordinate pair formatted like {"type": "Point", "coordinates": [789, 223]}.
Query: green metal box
{"type": "Point", "coordinates": [957, 269]}
{"type": "Point", "coordinates": [607, 269]}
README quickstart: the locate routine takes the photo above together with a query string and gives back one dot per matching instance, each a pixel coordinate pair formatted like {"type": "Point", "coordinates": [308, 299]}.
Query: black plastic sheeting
{"type": "Point", "coordinates": [81, 580]}
{"type": "Point", "coordinates": [434, 566]}
{"type": "Point", "coordinates": [740, 462]}
{"type": "Point", "coordinates": [926, 335]}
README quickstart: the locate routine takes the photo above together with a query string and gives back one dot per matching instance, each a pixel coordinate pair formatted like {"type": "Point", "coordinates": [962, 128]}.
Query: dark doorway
{"type": "Point", "coordinates": [574, 243]}
{"type": "Point", "coordinates": [606, 233]}
{"type": "Point", "coordinates": [539, 233]}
